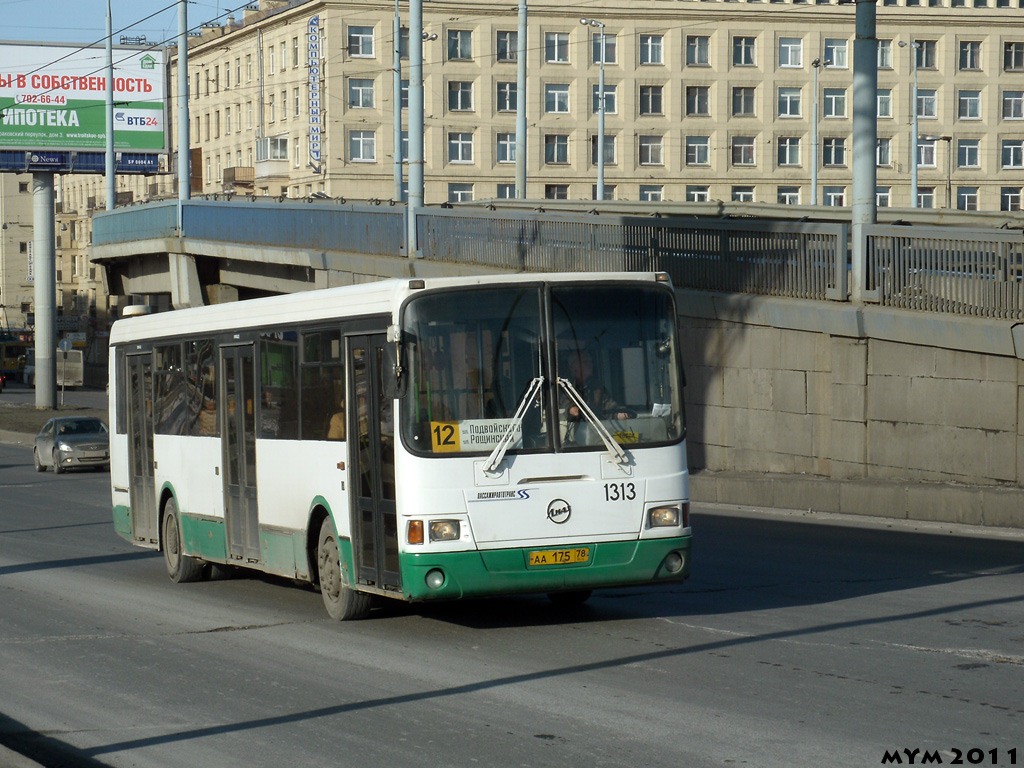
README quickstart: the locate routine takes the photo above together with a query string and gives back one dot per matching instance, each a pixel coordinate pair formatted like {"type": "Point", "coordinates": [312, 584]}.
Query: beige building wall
{"type": "Point", "coordinates": [16, 286]}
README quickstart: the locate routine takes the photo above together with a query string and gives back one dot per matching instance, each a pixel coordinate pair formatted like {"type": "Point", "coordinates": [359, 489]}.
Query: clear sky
{"type": "Point", "coordinates": [85, 21]}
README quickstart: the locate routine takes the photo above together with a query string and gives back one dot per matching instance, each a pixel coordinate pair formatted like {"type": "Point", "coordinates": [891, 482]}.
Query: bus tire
{"type": "Point", "coordinates": [180, 567]}
{"type": "Point", "coordinates": [341, 601]}
{"type": "Point", "coordinates": [570, 597]}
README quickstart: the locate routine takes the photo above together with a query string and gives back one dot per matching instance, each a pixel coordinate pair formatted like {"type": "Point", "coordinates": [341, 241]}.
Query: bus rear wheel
{"type": "Point", "coordinates": [342, 602]}
{"type": "Point", "coordinates": [180, 567]}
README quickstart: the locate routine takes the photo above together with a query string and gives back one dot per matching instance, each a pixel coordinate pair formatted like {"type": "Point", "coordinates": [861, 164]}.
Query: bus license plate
{"type": "Point", "coordinates": [560, 556]}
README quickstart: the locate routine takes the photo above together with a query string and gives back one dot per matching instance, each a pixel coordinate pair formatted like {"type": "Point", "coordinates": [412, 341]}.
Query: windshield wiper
{"type": "Point", "coordinates": [517, 420]}
{"type": "Point", "coordinates": [618, 455]}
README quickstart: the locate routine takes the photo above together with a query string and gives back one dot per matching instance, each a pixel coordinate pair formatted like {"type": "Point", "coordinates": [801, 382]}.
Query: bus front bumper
{"type": "Point", "coordinates": [449, 576]}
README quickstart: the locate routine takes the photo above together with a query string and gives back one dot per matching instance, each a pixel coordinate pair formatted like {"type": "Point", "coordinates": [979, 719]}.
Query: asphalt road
{"type": "Point", "coordinates": [799, 641]}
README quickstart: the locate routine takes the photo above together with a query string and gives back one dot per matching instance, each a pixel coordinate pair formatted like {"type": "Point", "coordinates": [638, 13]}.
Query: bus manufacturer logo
{"type": "Point", "coordinates": [559, 511]}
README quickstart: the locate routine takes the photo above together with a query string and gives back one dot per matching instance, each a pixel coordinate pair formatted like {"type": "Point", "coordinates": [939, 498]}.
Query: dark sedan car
{"type": "Point", "coordinates": [71, 442]}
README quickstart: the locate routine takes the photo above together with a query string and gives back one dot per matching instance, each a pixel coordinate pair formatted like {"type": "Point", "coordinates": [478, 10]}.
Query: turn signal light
{"type": "Point", "coordinates": [415, 532]}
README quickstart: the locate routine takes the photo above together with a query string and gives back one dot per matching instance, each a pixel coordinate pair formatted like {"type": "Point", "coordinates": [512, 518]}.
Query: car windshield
{"type": "Point", "coordinates": [82, 427]}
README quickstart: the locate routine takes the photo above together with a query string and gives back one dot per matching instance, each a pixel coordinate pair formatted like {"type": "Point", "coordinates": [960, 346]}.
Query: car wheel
{"type": "Point", "coordinates": [57, 468]}
{"type": "Point", "coordinates": [342, 602]}
{"type": "Point", "coordinates": [35, 459]}
{"type": "Point", "coordinates": [180, 567]}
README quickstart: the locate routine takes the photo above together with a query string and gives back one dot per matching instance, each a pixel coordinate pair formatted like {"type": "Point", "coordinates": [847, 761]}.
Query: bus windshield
{"type": "Point", "coordinates": [482, 369]}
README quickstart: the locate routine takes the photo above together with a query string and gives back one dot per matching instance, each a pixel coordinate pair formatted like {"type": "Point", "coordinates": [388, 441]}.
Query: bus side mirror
{"type": "Point", "coordinates": [393, 373]}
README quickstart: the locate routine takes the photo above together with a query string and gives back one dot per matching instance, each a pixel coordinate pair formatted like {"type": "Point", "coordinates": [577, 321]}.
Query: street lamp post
{"type": "Point", "coordinates": [915, 47]}
{"type": "Point", "coordinates": [600, 107]}
{"type": "Point", "coordinates": [816, 65]}
{"type": "Point", "coordinates": [397, 103]}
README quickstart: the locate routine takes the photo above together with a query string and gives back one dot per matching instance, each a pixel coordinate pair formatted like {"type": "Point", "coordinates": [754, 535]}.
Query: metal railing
{"type": "Point", "coordinates": [955, 270]}
{"type": "Point", "coordinates": [793, 259]}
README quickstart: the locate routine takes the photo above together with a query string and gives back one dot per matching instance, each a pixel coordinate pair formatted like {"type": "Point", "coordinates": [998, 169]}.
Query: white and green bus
{"type": "Point", "coordinates": [412, 439]}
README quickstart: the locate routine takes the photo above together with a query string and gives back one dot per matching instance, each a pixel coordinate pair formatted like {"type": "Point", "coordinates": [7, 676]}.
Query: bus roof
{"type": "Point", "coordinates": [375, 298]}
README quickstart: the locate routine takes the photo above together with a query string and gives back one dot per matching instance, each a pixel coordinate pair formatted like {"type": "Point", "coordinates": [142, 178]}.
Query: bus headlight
{"type": "Point", "coordinates": [664, 517]}
{"type": "Point", "coordinates": [445, 530]}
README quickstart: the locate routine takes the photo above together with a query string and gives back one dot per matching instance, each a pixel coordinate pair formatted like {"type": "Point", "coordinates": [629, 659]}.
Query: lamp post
{"type": "Point", "coordinates": [816, 65]}
{"type": "Point", "coordinates": [397, 103]}
{"type": "Point", "coordinates": [600, 108]}
{"type": "Point", "coordinates": [915, 47]}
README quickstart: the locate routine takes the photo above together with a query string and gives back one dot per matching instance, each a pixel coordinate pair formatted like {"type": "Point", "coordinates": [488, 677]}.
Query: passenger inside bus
{"type": "Point", "coordinates": [336, 426]}
{"type": "Point", "coordinates": [581, 374]}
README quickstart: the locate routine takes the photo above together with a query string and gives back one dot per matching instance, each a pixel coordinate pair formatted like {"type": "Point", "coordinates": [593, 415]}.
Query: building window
{"type": "Point", "coordinates": [1013, 58]}
{"type": "Point", "coordinates": [883, 152]}
{"type": "Point", "coordinates": [926, 197]}
{"type": "Point", "coordinates": [651, 100]}
{"type": "Point", "coordinates": [360, 93]}
{"type": "Point", "coordinates": [1012, 153]}
{"type": "Point", "coordinates": [927, 103]}
{"type": "Point", "coordinates": [506, 93]}
{"type": "Point", "coordinates": [556, 47]}
{"type": "Point", "coordinates": [697, 193]}
{"type": "Point", "coordinates": [460, 96]}
{"type": "Point", "coordinates": [652, 193]}
{"type": "Point", "coordinates": [506, 148]}
{"type": "Point", "coordinates": [698, 100]}
{"type": "Point", "coordinates": [788, 150]}
{"type": "Point", "coordinates": [885, 54]}
{"type": "Point", "coordinates": [608, 41]}
{"type": "Point", "coordinates": [743, 151]}
{"type": "Point", "coordinates": [609, 150]}
{"type": "Point", "coordinates": [556, 97]}
{"type": "Point", "coordinates": [968, 153]}
{"type": "Point", "coordinates": [834, 196]}
{"type": "Point", "coordinates": [507, 46]}
{"type": "Point", "coordinates": [744, 51]}
{"type": "Point", "coordinates": [791, 52]}
{"type": "Point", "coordinates": [460, 45]}
{"type": "Point", "coordinates": [506, 192]}
{"type": "Point", "coordinates": [1013, 105]}
{"type": "Point", "coordinates": [1009, 199]}
{"type": "Point", "coordinates": [789, 101]}
{"type": "Point", "coordinates": [836, 53]}
{"type": "Point", "coordinates": [651, 49]}
{"type": "Point", "coordinates": [556, 149]}
{"type": "Point", "coordinates": [460, 192]}
{"type": "Point", "coordinates": [362, 146]}
{"type": "Point", "coordinates": [968, 105]}
{"type": "Point", "coordinates": [743, 101]}
{"type": "Point", "coordinates": [651, 150]}
{"type": "Point", "coordinates": [743, 194]}
{"type": "Point", "coordinates": [460, 147]}
{"type": "Point", "coordinates": [883, 197]}
{"type": "Point", "coordinates": [835, 102]}
{"type": "Point", "coordinates": [970, 55]}
{"type": "Point", "coordinates": [967, 198]}
{"type": "Point", "coordinates": [698, 150]}
{"type": "Point", "coordinates": [698, 49]}
{"type": "Point", "coordinates": [926, 152]}
{"type": "Point", "coordinates": [360, 42]}
{"type": "Point", "coordinates": [924, 54]}
{"type": "Point", "coordinates": [788, 195]}
{"type": "Point", "coordinates": [610, 101]}
{"type": "Point", "coordinates": [834, 151]}
{"type": "Point", "coordinates": [609, 191]}
{"type": "Point", "coordinates": [884, 102]}
{"type": "Point", "coordinates": [556, 191]}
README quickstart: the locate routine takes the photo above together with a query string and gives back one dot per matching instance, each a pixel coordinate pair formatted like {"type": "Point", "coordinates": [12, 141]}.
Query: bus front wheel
{"type": "Point", "coordinates": [180, 567]}
{"type": "Point", "coordinates": [342, 602]}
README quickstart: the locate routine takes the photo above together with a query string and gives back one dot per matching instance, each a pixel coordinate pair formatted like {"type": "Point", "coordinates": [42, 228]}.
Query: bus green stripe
{"type": "Point", "coordinates": [492, 572]}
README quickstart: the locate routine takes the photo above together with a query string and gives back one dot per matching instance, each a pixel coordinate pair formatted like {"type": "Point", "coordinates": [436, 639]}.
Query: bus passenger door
{"type": "Point", "coordinates": [142, 493]}
{"type": "Point", "coordinates": [372, 424]}
{"type": "Point", "coordinates": [238, 414]}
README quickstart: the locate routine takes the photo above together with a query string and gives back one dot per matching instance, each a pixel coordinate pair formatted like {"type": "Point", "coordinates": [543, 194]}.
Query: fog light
{"type": "Point", "coordinates": [444, 530]}
{"type": "Point", "coordinates": [673, 562]}
{"type": "Point", "coordinates": [434, 578]}
{"type": "Point", "coordinates": [663, 517]}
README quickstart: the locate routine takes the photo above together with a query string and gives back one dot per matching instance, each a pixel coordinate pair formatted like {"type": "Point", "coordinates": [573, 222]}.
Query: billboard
{"type": "Point", "coordinates": [53, 99]}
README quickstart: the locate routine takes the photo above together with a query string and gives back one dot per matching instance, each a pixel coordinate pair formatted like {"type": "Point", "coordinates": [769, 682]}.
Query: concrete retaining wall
{"type": "Point", "coordinates": [862, 410]}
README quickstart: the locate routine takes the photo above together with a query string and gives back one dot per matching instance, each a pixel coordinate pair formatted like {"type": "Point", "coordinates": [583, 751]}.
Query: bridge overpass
{"type": "Point", "coordinates": [907, 403]}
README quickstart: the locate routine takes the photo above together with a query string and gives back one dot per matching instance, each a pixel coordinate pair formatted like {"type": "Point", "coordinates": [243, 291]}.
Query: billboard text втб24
{"type": "Point", "coordinates": [52, 98]}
